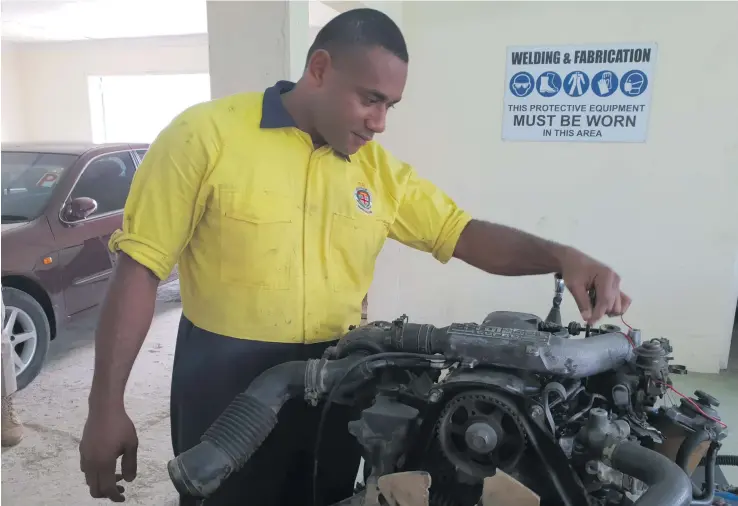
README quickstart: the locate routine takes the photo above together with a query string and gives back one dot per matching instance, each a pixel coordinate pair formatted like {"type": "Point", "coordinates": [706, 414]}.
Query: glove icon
{"type": "Point", "coordinates": [603, 85]}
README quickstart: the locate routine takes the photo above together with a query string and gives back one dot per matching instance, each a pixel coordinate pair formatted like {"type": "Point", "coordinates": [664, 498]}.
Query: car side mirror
{"type": "Point", "coordinates": [78, 209]}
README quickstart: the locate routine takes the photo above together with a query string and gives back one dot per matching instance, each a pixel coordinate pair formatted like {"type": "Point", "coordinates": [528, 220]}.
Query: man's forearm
{"type": "Point", "coordinates": [125, 320]}
{"type": "Point", "coordinates": [506, 251]}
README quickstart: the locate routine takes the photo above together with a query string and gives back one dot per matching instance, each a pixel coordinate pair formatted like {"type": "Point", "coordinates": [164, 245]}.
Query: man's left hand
{"type": "Point", "coordinates": [581, 274]}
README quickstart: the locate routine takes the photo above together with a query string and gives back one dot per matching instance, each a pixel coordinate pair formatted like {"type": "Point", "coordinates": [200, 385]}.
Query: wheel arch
{"type": "Point", "coordinates": [35, 290]}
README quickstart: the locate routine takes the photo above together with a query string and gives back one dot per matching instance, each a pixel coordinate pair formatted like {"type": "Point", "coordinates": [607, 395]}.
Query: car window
{"type": "Point", "coordinates": [28, 181]}
{"type": "Point", "coordinates": [141, 153]}
{"type": "Point", "coordinates": [107, 180]}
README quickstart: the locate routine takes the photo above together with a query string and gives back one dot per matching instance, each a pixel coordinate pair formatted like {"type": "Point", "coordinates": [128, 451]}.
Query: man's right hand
{"type": "Point", "coordinates": [125, 319]}
{"type": "Point", "coordinates": [108, 434]}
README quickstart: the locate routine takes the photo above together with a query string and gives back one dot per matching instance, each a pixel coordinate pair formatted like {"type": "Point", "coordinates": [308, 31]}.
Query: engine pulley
{"type": "Point", "coordinates": [478, 434]}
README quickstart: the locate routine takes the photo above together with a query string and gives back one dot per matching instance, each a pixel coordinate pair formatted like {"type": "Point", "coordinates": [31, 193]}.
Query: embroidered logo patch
{"type": "Point", "coordinates": [363, 199]}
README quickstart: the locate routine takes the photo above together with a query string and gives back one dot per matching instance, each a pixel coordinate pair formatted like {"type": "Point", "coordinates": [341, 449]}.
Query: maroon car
{"type": "Point", "coordinates": [60, 205]}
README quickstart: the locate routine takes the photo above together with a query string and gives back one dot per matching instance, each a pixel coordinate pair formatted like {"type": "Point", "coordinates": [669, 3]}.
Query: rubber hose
{"type": "Point", "coordinates": [688, 446]}
{"type": "Point", "coordinates": [668, 485]}
{"type": "Point", "coordinates": [727, 460]}
{"type": "Point", "coordinates": [225, 447]}
{"type": "Point", "coordinates": [237, 433]}
{"type": "Point", "coordinates": [276, 385]}
{"type": "Point", "coordinates": [723, 460]}
{"type": "Point", "coordinates": [706, 497]}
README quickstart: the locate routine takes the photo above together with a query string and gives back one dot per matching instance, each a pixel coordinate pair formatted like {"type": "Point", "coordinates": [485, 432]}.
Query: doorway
{"type": "Point", "coordinates": [135, 108]}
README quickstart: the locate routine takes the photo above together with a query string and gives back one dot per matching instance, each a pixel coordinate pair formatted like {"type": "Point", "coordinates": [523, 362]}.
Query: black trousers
{"type": "Point", "coordinates": [209, 371]}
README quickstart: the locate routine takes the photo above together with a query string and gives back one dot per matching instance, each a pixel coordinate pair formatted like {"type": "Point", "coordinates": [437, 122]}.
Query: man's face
{"type": "Point", "coordinates": [353, 94]}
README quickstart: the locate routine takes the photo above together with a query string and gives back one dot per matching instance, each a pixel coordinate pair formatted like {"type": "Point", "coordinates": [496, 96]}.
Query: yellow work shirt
{"type": "Point", "coordinates": [275, 240]}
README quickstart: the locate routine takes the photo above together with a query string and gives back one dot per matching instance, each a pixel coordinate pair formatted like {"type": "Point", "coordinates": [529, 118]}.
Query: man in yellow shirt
{"type": "Point", "coordinates": [275, 206]}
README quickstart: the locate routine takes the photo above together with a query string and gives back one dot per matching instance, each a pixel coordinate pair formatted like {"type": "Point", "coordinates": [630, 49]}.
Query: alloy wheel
{"type": "Point", "coordinates": [21, 331]}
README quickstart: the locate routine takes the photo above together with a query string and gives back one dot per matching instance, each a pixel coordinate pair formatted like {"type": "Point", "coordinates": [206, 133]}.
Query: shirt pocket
{"type": "Point", "coordinates": [258, 241]}
{"type": "Point", "coordinates": [355, 243]}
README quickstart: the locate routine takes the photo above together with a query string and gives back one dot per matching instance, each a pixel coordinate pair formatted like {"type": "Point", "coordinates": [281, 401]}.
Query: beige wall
{"type": "Point", "coordinates": [44, 85]}
{"type": "Point", "coordinates": [13, 97]}
{"type": "Point", "coordinates": [54, 91]}
{"type": "Point", "coordinates": [663, 213]}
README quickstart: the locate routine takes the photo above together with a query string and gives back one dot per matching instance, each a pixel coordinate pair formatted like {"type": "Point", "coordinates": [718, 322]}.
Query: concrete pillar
{"type": "Point", "coordinates": [252, 45]}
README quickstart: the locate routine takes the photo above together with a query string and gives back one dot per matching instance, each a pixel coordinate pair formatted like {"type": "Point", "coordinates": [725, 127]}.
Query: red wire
{"type": "Point", "coordinates": [694, 404]}
{"type": "Point", "coordinates": [625, 323]}
{"type": "Point", "coordinates": [670, 387]}
{"type": "Point", "coordinates": [626, 335]}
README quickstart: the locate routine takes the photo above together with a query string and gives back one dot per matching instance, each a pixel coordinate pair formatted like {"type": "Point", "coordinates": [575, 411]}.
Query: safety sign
{"type": "Point", "coordinates": [588, 93]}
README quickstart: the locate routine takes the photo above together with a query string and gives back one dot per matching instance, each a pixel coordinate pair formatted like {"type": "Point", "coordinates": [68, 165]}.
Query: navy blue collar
{"type": "Point", "coordinates": [274, 114]}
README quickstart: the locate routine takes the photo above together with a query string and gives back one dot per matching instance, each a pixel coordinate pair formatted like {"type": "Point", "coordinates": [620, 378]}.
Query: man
{"type": "Point", "coordinates": [275, 205]}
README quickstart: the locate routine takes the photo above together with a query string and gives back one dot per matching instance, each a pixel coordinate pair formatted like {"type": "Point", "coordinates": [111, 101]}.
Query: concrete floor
{"type": "Point", "coordinates": [44, 468]}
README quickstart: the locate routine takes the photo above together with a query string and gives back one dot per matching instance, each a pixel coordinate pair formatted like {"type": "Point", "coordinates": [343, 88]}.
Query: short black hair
{"type": "Point", "coordinates": [360, 28]}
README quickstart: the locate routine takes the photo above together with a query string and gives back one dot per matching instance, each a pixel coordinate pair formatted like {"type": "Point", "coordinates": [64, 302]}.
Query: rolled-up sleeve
{"type": "Point", "coordinates": [428, 219]}
{"type": "Point", "coordinates": [167, 195]}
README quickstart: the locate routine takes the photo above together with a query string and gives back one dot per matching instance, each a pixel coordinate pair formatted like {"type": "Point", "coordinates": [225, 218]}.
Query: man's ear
{"type": "Point", "coordinates": [318, 66]}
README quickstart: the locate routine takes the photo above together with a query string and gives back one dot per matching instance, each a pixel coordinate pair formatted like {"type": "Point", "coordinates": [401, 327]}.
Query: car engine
{"type": "Point", "coordinates": [578, 420]}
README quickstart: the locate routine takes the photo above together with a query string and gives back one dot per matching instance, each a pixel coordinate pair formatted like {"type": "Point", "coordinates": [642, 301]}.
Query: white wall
{"type": "Point", "coordinates": [13, 127]}
{"type": "Point", "coordinates": [52, 103]}
{"type": "Point", "coordinates": [664, 214]}
{"type": "Point", "coordinates": [54, 77]}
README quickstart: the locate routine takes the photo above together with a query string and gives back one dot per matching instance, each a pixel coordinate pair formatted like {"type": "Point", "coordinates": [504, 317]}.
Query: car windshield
{"type": "Point", "coordinates": [28, 181]}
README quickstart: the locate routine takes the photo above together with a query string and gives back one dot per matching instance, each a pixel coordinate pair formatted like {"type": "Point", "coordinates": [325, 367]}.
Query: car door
{"type": "Point", "coordinates": [84, 256]}
{"type": "Point", "coordinates": [140, 153]}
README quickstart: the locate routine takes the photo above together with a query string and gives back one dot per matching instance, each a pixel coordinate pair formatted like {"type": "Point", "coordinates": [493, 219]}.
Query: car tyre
{"type": "Point", "coordinates": [30, 312]}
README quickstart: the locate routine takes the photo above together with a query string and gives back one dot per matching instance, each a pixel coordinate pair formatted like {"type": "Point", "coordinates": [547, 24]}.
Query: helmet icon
{"type": "Point", "coordinates": [522, 84]}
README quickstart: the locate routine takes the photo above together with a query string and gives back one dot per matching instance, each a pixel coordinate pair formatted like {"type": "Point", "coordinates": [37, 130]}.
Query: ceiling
{"type": "Point", "coordinates": [59, 20]}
